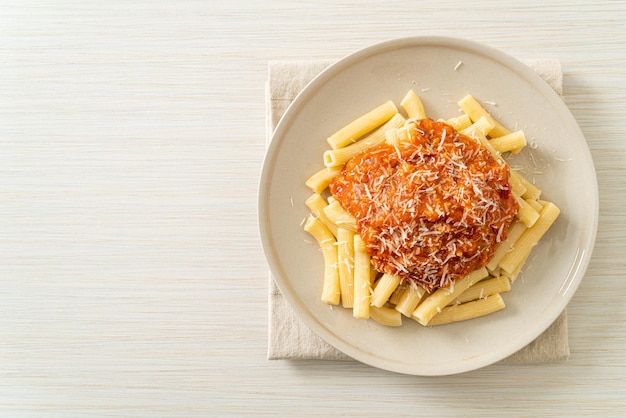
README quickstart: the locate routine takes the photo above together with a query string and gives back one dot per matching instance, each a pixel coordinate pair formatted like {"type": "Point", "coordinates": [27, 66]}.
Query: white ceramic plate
{"type": "Point", "coordinates": [441, 71]}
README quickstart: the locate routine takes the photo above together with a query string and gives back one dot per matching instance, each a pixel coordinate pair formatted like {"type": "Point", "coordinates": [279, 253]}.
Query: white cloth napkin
{"type": "Point", "coordinates": [290, 338]}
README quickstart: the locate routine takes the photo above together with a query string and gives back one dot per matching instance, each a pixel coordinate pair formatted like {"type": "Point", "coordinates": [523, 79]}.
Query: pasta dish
{"type": "Point", "coordinates": [423, 219]}
{"type": "Point", "coordinates": [429, 209]}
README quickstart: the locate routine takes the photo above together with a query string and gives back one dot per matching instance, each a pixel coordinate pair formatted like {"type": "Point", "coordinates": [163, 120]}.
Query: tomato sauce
{"type": "Point", "coordinates": [430, 209]}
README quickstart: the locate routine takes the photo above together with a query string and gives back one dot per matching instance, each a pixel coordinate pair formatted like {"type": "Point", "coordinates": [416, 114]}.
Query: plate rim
{"type": "Point", "coordinates": [308, 91]}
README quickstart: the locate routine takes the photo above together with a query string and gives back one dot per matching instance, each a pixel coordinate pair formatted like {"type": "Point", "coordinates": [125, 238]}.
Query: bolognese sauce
{"type": "Point", "coordinates": [430, 209]}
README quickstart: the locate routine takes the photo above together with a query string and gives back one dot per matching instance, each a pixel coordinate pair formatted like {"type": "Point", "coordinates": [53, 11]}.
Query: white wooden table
{"type": "Point", "coordinates": [132, 280]}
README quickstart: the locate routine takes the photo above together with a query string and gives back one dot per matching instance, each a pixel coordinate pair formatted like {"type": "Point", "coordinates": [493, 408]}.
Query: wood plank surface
{"type": "Point", "coordinates": [132, 278]}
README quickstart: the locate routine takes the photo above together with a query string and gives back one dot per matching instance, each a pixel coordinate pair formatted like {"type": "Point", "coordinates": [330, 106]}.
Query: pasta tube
{"type": "Point", "coordinates": [316, 205]}
{"type": "Point", "coordinates": [513, 276]}
{"type": "Point", "coordinates": [483, 289]}
{"type": "Point", "coordinates": [362, 125]}
{"type": "Point", "coordinates": [338, 157]}
{"type": "Point", "coordinates": [384, 288]}
{"type": "Point", "coordinates": [340, 216]}
{"type": "Point", "coordinates": [386, 316]}
{"type": "Point", "coordinates": [469, 310]}
{"type": "Point", "coordinates": [319, 181]}
{"type": "Point", "coordinates": [529, 238]}
{"type": "Point", "coordinates": [397, 294]}
{"type": "Point", "coordinates": [413, 106]}
{"type": "Point", "coordinates": [410, 299]}
{"type": "Point", "coordinates": [532, 191]}
{"type": "Point", "coordinates": [513, 142]}
{"type": "Point", "coordinates": [517, 183]}
{"type": "Point", "coordinates": [475, 111]}
{"type": "Point", "coordinates": [535, 204]}
{"type": "Point", "coordinates": [331, 292]}
{"type": "Point", "coordinates": [460, 122]}
{"type": "Point", "coordinates": [345, 250]}
{"type": "Point", "coordinates": [526, 213]}
{"type": "Point", "coordinates": [434, 303]}
{"type": "Point", "coordinates": [362, 283]}
{"type": "Point", "coordinates": [515, 231]}
{"type": "Point", "coordinates": [481, 127]}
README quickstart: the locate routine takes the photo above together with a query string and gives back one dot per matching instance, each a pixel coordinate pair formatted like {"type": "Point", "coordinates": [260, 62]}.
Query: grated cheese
{"type": "Point", "coordinates": [430, 209]}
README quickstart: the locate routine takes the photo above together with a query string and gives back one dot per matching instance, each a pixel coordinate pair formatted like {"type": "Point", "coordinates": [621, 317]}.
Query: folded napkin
{"type": "Point", "coordinates": [290, 338]}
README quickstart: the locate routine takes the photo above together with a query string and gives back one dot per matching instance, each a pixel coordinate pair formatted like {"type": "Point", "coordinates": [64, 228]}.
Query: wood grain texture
{"type": "Point", "coordinates": [132, 278]}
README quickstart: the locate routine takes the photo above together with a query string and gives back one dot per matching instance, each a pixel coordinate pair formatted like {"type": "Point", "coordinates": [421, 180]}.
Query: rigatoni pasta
{"type": "Point", "coordinates": [351, 274]}
{"type": "Point", "coordinates": [362, 280]}
{"type": "Point", "coordinates": [413, 106]}
{"type": "Point", "coordinates": [475, 111]}
{"type": "Point", "coordinates": [439, 299]}
{"type": "Point", "coordinates": [469, 310]}
{"type": "Point", "coordinates": [331, 292]}
{"type": "Point", "coordinates": [529, 238]}
{"type": "Point", "coordinates": [409, 299]}
{"type": "Point", "coordinates": [362, 125]}
{"type": "Point", "coordinates": [385, 286]}
{"type": "Point", "coordinates": [345, 254]}
{"type": "Point", "coordinates": [319, 181]}
{"type": "Point", "coordinates": [337, 157]}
